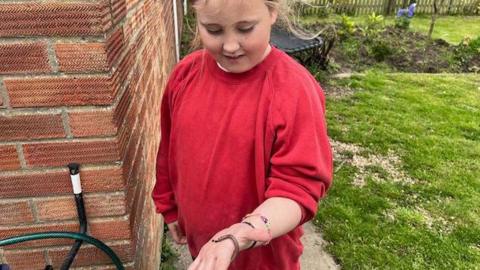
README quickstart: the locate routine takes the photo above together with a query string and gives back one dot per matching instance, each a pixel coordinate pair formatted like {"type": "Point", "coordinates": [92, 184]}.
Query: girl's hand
{"type": "Point", "coordinates": [217, 256]}
{"type": "Point", "coordinates": [177, 233]}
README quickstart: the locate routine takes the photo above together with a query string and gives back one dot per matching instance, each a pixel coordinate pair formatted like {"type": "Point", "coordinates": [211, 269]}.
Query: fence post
{"type": "Point", "coordinates": [449, 7]}
{"type": "Point", "coordinates": [390, 4]}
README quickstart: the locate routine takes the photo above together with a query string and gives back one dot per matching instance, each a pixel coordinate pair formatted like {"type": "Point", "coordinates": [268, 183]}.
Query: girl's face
{"type": "Point", "coordinates": [235, 32]}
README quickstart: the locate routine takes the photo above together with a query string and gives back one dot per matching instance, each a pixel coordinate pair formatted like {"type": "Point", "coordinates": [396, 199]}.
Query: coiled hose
{"type": "Point", "coordinates": [71, 235]}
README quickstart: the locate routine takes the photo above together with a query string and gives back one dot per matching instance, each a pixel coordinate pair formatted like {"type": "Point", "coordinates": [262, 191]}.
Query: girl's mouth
{"type": "Point", "coordinates": [233, 57]}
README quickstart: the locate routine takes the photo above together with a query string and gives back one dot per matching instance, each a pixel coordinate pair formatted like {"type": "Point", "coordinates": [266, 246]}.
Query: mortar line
{"type": "Point", "coordinates": [21, 156]}
{"type": "Point", "coordinates": [47, 258]}
{"type": "Point", "coordinates": [92, 194]}
{"type": "Point", "coordinates": [2, 258]}
{"type": "Point", "coordinates": [52, 110]}
{"type": "Point", "coordinates": [66, 123]}
{"type": "Point", "coordinates": [30, 111]}
{"type": "Point", "coordinates": [52, 58]}
{"type": "Point", "coordinates": [4, 95]}
{"type": "Point", "coordinates": [60, 39]}
{"type": "Point", "coordinates": [69, 222]}
{"type": "Point", "coordinates": [61, 140]}
{"type": "Point", "coordinates": [67, 247]}
{"type": "Point", "coordinates": [33, 206]}
{"type": "Point", "coordinates": [91, 167]}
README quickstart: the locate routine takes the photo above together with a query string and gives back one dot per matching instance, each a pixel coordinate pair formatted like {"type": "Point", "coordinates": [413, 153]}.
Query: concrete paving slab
{"type": "Point", "coordinates": [314, 255]}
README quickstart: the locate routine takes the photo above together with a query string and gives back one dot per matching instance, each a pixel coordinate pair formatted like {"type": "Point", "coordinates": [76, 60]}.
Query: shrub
{"type": "Point", "coordinates": [374, 26]}
{"type": "Point", "coordinates": [350, 47]}
{"type": "Point", "coordinates": [467, 50]}
{"type": "Point", "coordinates": [402, 22]}
{"type": "Point", "coordinates": [380, 49]}
{"type": "Point", "coordinates": [347, 26]}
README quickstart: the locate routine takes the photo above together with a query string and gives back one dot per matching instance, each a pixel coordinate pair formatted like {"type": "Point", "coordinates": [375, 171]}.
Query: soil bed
{"type": "Point", "coordinates": [399, 51]}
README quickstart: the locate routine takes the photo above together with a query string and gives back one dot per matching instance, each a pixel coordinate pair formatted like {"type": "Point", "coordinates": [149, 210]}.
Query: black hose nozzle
{"type": "Point", "coordinates": [74, 168]}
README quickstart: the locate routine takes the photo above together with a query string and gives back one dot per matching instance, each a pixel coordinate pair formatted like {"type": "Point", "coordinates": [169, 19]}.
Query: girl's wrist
{"type": "Point", "coordinates": [259, 221]}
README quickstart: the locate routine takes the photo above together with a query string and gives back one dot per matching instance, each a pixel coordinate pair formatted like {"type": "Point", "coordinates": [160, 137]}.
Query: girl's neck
{"type": "Point", "coordinates": [265, 54]}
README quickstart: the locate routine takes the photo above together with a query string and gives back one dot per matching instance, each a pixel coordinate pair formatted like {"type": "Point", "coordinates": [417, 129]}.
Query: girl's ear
{"type": "Point", "coordinates": [273, 15]}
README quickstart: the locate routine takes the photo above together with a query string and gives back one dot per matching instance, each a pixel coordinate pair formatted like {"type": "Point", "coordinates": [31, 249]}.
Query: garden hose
{"type": "Point", "coordinates": [79, 237]}
{"type": "Point", "coordinates": [74, 169]}
{"type": "Point", "coordinates": [71, 235]}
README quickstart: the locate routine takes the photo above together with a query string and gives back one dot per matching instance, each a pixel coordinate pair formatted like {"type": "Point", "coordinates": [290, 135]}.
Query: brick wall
{"type": "Point", "coordinates": [81, 81]}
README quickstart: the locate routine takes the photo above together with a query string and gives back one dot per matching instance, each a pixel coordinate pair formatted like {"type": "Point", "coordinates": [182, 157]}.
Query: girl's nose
{"type": "Point", "coordinates": [231, 45]}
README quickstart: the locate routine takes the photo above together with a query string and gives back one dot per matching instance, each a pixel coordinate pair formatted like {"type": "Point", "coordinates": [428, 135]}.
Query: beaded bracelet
{"type": "Point", "coordinates": [264, 220]}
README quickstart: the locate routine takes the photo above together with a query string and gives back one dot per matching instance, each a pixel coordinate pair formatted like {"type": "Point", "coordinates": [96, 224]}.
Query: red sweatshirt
{"type": "Point", "coordinates": [231, 141]}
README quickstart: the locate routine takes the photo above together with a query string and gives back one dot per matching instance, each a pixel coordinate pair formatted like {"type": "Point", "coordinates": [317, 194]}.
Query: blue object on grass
{"type": "Point", "coordinates": [409, 12]}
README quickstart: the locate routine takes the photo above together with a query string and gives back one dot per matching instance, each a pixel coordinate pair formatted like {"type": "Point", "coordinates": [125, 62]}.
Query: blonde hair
{"type": "Point", "coordinates": [284, 8]}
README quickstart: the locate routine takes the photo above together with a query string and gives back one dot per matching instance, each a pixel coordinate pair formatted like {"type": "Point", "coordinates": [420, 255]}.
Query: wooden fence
{"type": "Point", "coordinates": [388, 7]}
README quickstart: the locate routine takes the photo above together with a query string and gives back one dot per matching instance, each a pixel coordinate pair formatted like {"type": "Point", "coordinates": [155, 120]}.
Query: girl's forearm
{"type": "Point", "coordinates": [283, 215]}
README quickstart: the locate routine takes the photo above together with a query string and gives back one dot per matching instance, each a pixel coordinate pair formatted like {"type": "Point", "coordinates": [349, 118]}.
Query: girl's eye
{"type": "Point", "coordinates": [246, 30]}
{"type": "Point", "coordinates": [214, 31]}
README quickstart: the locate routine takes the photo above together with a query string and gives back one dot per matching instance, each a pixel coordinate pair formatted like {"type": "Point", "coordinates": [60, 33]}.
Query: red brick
{"type": "Point", "coordinates": [62, 153]}
{"type": "Point", "coordinates": [9, 158]}
{"type": "Point", "coordinates": [15, 213]}
{"type": "Point", "coordinates": [131, 116]}
{"type": "Point", "coordinates": [54, 19]}
{"type": "Point", "coordinates": [132, 3]}
{"type": "Point", "coordinates": [92, 123]}
{"type": "Point", "coordinates": [115, 229]}
{"type": "Point", "coordinates": [135, 171]}
{"type": "Point", "coordinates": [89, 255]}
{"type": "Point", "coordinates": [64, 208]}
{"type": "Point", "coordinates": [134, 23]}
{"type": "Point", "coordinates": [26, 259]}
{"type": "Point", "coordinates": [130, 146]}
{"type": "Point", "coordinates": [122, 71]}
{"type": "Point", "coordinates": [119, 10]}
{"type": "Point", "coordinates": [24, 57]}
{"type": "Point", "coordinates": [138, 203]}
{"type": "Point", "coordinates": [126, 99]}
{"type": "Point", "coordinates": [115, 45]}
{"type": "Point", "coordinates": [84, 57]}
{"type": "Point", "coordinates": [63, 91]}
{"type": "Point", "coordinates": [81, 57]}
{"type": "Point", "coordinates": [37, 184]}
{"type": "Point", "coordinates": [33, 126]}
{"type": "Point", "coordinates": [149, 239]}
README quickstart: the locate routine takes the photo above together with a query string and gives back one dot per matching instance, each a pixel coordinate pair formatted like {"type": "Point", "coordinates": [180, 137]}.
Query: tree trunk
{"type": "Point", "coordinates": [432, 22]}
{"type": "Point", "coordinates": [434, 17]}
{"type": "Point", "coordinates": [432, 25]}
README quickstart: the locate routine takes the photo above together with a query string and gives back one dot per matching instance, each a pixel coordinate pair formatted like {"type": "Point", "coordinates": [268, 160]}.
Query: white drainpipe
{"type": "Point", "coordinates": [185, 3]}
{"type": "Point", "coordinates": [177, 39]}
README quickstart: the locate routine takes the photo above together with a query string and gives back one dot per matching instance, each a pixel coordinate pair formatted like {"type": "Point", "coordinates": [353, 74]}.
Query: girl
{"type": "Point", "coordinates": [244, 156]}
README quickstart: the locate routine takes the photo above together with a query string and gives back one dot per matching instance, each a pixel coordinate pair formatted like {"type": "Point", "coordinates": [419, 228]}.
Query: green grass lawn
{"type": "Point", "coordinates": [449, 28]}
{"type": "Point", "coordinates": [406, 191]}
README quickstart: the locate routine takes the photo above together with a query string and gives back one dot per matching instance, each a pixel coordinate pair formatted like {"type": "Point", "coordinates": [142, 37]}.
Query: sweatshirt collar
{"type": "Point", "coordinates": [230, 77]}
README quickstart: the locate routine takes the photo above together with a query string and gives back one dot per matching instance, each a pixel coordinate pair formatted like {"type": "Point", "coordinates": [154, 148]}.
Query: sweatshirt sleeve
{"type": "Point", "coordinates": [301, 159]}
{"type": "Point", "coordinates": [162, 194]}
